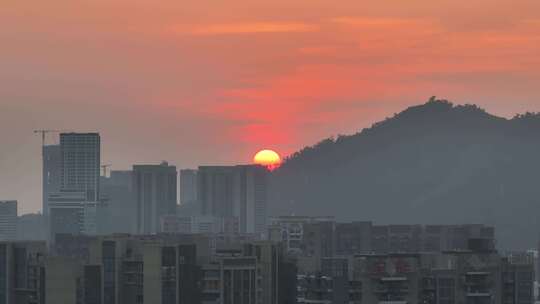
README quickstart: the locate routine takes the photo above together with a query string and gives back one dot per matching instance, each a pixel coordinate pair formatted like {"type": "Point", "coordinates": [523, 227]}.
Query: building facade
{"type": "Point", "coordinates": [8, 220]}
{"type": "Point", "coordinates": [52, 173]}
{"type": "Point", "coordinates": [71, 213]}
{"type": "Point", "coordinates": [324, 237]}
{"type": "Point", "coordinates": [457, 277]}
{"type": "Point", "coordinates": [80, 161]}
{"type": "Point", "coordinates": [124, 269]}
{"type": "Point", "coordinates": [30, 227]}
{"type": "Point", "coordinates": [155, 188]}
{"type": "Point", "coordinates": [134, 269]}
{"type": "Point", "coordinates": [235, 192]}
{"type": "Point", "coordinates": [188, 186]}
{"type": "Point", "coordinates": [119, 209]}
{"type": "Point", "coordinates": [22, 276]}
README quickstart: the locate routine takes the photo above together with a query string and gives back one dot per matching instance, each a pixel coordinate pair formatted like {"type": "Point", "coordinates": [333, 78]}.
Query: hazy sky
{"type": "Point", "coordinates": [213, 81]}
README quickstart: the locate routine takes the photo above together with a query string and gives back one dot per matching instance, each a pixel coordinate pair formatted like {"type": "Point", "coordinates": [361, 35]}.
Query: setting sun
{"type": "Point", "coordinates": [268, 158]}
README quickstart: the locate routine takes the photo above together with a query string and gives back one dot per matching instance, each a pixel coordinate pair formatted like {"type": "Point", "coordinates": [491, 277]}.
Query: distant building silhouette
{"type": "Point", "coordinates": [201, 224]}
{"type": "Point", "coordinates": [324, 237]}
{"type": "Point", "coordinates": [155, 189]}
{"type": "Point", "coordinates": [30, 227]}
{"type": "Point", "coordinates": [238, 192]}
{"type": "Point", "coordinates": [188, 186]}
{"type": "Point", "coordinates": [8, 220]}
{"type": "Point", "coordinates": [72, 213]}
{"type": "Point", "coordinates": [74, 208]}
{"type": "Point", "coordinates": [215, 190]}
{"type": "Point", "coordinates": [119, 213]}
{"type": "Point", "coordinates": [121, 178]}
{"type": "Point", "coordinates": [52, 173]}
{"type": "Point", "coordinates": [81, 157]}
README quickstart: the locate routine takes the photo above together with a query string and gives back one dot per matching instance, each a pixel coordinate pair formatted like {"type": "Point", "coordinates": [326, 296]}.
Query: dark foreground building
{"type": "Point", "coordinates": [455, 277]}
{"type": "Point", "coordinates": [126, 269]}
{"type": "Point", "coordinates": [324, 237]}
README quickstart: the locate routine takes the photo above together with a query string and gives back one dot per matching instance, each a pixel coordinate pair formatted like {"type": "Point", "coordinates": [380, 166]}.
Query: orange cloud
{"type": "Point", "coordinates": [379, 21]}
{"type": "Point", "coordinates": [247, 28]}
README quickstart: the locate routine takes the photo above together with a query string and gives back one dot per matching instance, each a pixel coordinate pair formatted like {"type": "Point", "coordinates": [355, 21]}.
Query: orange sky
{"type": "Point", "coordinates": [199, 82]}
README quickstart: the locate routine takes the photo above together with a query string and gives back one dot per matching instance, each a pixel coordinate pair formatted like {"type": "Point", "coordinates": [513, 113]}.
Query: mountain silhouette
{"type": "Point", "coordinates": [435, 163]}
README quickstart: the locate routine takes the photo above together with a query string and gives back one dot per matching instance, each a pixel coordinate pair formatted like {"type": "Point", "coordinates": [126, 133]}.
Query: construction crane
{"type": "Point", "coordinates": [104, 167]}
{"type": "Point", "coordinates": [45, 132]}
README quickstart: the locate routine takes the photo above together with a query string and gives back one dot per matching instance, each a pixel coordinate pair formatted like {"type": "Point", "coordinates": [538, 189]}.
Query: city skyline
{"type": "Point", "coordinates": [270, 152]}
{"type": "Point", "coordinates": [53, 140]}
{"type": "Point", "coordinates": [395, 164]}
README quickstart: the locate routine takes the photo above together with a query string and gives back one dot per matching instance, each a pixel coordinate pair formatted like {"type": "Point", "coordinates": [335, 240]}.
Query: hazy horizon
{"type": "Point", "coordinates": [33, 141]}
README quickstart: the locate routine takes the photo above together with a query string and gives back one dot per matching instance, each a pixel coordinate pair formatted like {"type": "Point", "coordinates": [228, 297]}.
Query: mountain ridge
{"type": "Point", "coordinates": [431, 163]}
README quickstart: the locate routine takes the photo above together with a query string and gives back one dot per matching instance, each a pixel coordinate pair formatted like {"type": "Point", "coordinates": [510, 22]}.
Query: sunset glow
{"type": "Point", "coordinates": [268, 158]}
{"type": "Point", "coordinates": [233, 76]}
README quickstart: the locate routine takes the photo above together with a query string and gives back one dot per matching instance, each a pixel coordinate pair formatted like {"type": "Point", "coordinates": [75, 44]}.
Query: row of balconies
{"type": "Point", "coordinates": [386, 290]}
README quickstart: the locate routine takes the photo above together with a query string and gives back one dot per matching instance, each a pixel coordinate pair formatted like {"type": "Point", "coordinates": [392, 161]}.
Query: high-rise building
{"type": "Point", "coordinates": [188, 186]}
{"type": "Point", "coordinates": [518, 279]}
{"type": "Point", "coordinates": [215, 190]}
{"type": "Point", "coordinates": [195, 269]}
{"type": "Point", "coordinates": [319, 239]}
{"type": "Point", "coordinates": [119, 213]}
{"type": "Point", "coordinates": [252, 207]}
{"type": "Point", "coordinates": [127, 269]}
{"type": "Point", "coordinates": [22, 276]}
{"type": "Point", "coordinates": [247, 272]}
{"type": "Point", "coordinates": [235, 192]}
{"type": "Point", "coordinates": [121, 178]}
{"type": "Point", "coordinates": [80, 160]}
{"type": "Point", "coordinates": [308, 236]}
{"type": "Point", "coordinates": [52, 173]}
{"type": "Point", "coordinates": [219, 279]}
{"type": "Point", "coordinates": [30, 227]}
{"type": "Point", "coordinates": [155, 189]}
{"type": "Point", "coordinates": [313, 236]}
{"type": "Point", "coordinates": [8, 220]}
{"type": "Point", "coordinates": [71, 213]}
{"type": "Point", "coordinates": [353, 238]}
{"type": "Point", "coordinates": [463, 276]}
{"type": "Point", "coordinates": [64, 277]}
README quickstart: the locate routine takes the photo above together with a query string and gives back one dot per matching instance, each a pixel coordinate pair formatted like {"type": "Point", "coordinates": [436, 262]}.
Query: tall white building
{"type": "Point", "coordinates": [8, 220]}
{"type": "Point", "coordinates": [238, 192]}
{"type": "Point", "coordinates": [80, 161]}
{"type": "Point", "coordinates": [251, 206]}
{"type": "Point", "coordinates": [155, 188]}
